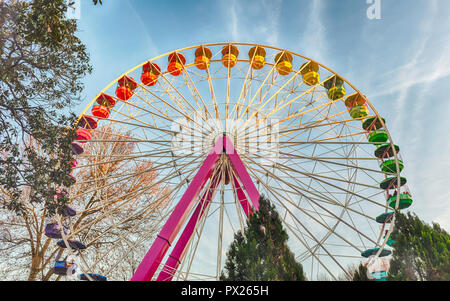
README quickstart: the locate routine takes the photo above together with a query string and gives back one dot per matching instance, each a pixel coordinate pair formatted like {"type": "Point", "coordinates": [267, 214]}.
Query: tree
{"type": "Point", "coordinates": [42, 63]}
{"type": "Point", "coordinates": [261, 252]}
{"type": "Point", "coordinates": [109, 205]}
{"type": "Point", "coordinates": [421, 251]}
{"type": "Point", "coordinates": [360, 273]}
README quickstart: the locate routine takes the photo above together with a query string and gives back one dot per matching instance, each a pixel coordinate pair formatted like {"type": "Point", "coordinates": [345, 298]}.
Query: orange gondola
{"type": "Point", "coordinates": [230, 54]}
{"type": "Point", "coordinates": [83, 135]}
{"type": "Point", "coordinates": [100, 111]}
{"type": "Point", "coordinates": [87, 122]}
{"type": "Point", "coordinates": [126, 87]}
{"type": "Point", "coordinates": [106, 100]}
{"type": "Point", "coordinates": [176, 63]}
{"type": "Point", "coordinates": [150, 73]}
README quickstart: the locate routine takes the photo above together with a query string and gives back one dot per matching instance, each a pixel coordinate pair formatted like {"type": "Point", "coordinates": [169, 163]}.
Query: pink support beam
{"type": "Point", "coordinates": [242, 197]}
{"type": "Point", "coordinates": [180, 248]}
{"type": "Point", "coordinates": [241, 172]}
{"type": "Point", "coordinates": [153, 258]}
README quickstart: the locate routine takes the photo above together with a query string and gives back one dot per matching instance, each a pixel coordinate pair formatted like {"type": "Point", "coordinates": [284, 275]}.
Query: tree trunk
{"type": "Point", "coordinates": [35, 268]}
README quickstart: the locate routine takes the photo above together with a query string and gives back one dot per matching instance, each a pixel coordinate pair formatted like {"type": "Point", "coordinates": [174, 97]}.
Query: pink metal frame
{"type": "Point", "coordinates": [154, 256]}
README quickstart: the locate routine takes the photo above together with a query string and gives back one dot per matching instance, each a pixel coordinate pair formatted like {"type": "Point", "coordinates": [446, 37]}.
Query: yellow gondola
{"type": "Point", "coordinates": [202, 57]}
{"type": "Point", "coordinates": [310, 73]}
{"type": "Point", "coordinates": [257, 57]}
{"type": "Point", "coordinates": [230, 54]}
{"type": "Point", "coordinates": [284, 63]}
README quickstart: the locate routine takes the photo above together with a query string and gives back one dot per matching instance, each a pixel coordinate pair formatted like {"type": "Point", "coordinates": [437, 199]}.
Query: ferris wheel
{"type": "Point", "coordinates": [219, 125]}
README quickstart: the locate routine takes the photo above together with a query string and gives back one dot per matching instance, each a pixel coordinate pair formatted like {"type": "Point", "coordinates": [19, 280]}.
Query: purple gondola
{"type": "Point", "coordinates": [53, 231]}
{"type": "Point", "coordinates": [77, 148]}
{"type": "Point", "coordinates": [67, 211]}
{"type": "Point", "coordinates": [74, 244]}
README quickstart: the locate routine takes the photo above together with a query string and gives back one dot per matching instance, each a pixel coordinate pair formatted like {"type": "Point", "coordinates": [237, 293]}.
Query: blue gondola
{"type": "Point", "coordinates": [370, 252]}
{"type": "Point", "coordinates": [74, 244]}
{"type": "Point", "coordinates": [64, 268]}
{"type": "Point", "coordinates": [95, 277]}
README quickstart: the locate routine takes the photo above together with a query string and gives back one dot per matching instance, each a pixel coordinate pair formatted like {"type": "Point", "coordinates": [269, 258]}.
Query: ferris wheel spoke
{"type": "Point", "coordinates": [256, 93]}
{"type": "Point", "coordinates": [143, 211]}
{"type": "Point", "coordinates": [330, 184]}
{"type": "Point", "coordinates": [157, 153]}
{"type": "Point", "coordinates": [298, 191]}
{"type": "Point", "coordinates": [296, 115]}
{"type": "Point", "coordinates": [181, 95]}
{"type": "Point", "coordinates": [242, 95]}
{"type": "Point", "coordinates": [319, 123]}
{"type": "Point", "coordinates": [213, 95]}
{"type": "Point", "coordinates": [277, 196]}
{"type": "Point", "coordinates": [323, 224]}
{"type": "Point", "coordinates": [123, 177]}
{"type": "Point", "coordinates": [200, 224]}
{"type": "Point", "coordinates": [343, 180]}
{"type": "Point", "coordinates": [158, 113]}
{"type": "Point", "coordinates": [164, 179]}
{"type": "Point", "coordinates": [337, 163]}
{"type": "Point", "coordinates": [300, 111]}
{"type": "Point", "coordinates": [179, 104]}
{"type": "Point", "coordinates": [207, 112]}
{"type": "Point", "coordinates": [316, 195]}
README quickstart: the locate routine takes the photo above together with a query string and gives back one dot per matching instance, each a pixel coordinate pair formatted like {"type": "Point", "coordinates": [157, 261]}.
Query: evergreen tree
{"type": "Point", "coordinates": [261, 252]}
{"type": "Point", "coordinates": [421, 252]}
{"type": "Point", "coordinates": [360, 274]}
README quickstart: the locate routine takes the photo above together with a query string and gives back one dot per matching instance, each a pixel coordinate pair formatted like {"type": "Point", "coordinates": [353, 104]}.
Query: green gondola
{"type": "Point", "coordinates": [405, 201]}
{"type": "Point", "coordinates": [390, 242]}
{"type": "Point", "coordinates": [390, 167]}
{"type": "Point", "coordinates": [391, 182]}
{"type": "Point", "coordinates": [370, 252]}
{"type": "Point", "coordinates": [359, 111]}
{"type": "Point", "coordinates": [386, 151]}
{"type": "Point", "coordinates": [378, 136]}
{"type": "Point", "coordinates": [335, 87]}
{"type": "Point", "coordinates": [373, 123]}
{"type": "Point", "coordinates": [385, 217]}
{"type": "Point", "coordinates": [336, 92]}
{"type": "Point", "coordinates": [334, 81]}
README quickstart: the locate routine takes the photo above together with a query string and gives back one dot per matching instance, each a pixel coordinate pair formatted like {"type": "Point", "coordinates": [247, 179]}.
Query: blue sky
{"type": "Point", "coordinates": [401, 62]}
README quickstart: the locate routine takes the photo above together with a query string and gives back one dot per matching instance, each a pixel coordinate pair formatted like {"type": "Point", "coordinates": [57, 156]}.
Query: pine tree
{"type": "Point", "coordinates": [422, 252]}
{"type": "Point", "coordinates": [261, 252]}
{"type": "Point", "coordinates": [360, 274]}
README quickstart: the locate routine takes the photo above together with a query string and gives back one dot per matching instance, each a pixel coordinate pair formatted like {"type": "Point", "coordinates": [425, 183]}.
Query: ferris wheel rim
{"type": "Point", "coordinates": [274, 48]}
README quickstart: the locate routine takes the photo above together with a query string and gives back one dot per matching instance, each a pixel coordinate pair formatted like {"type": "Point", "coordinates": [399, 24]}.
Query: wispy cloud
{"type": "Point", "coordinates": [234, 25]}
{"type": "Point", "coordinates": [313, 40]}
{"type": "Point", "coordinates": [256, 21]}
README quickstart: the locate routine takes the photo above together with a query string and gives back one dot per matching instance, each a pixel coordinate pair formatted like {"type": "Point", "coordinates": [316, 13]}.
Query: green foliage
{"type": "Point", "coordinates": [422, 252]}
{"type": "Point", "coordinates": [261, 252]}
{"type": "Point", "coordinates": [361, 274]}
{"type": "Point", "coordinates": [41, 64]}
